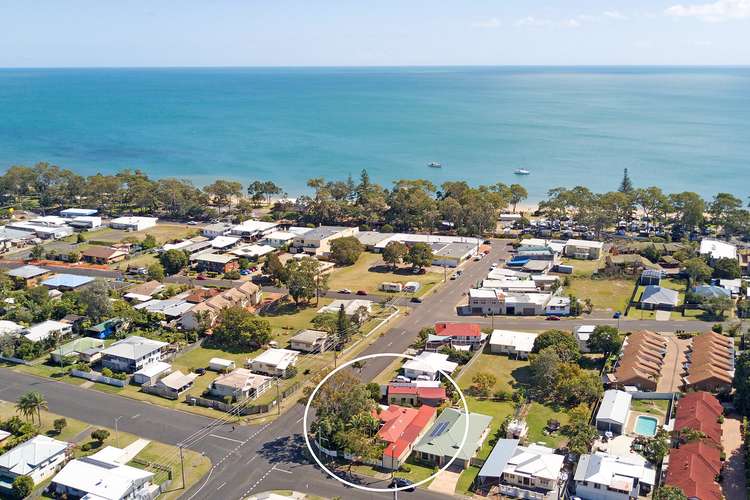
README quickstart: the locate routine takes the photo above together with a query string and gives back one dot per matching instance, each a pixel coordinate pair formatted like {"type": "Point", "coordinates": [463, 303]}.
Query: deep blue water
{"type": "Point", "coordinates": [680, 128]}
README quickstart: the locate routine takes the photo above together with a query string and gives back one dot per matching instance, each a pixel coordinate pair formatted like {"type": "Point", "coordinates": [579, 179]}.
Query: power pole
{"type": "Point", "coordinates": [182, 467]}
{"type": "Point", "coordinates": [278, 399]}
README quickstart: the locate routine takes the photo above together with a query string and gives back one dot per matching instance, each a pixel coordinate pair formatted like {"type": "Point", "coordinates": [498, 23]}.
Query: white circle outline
{"type": "Point", "coordinates": [383, 490]}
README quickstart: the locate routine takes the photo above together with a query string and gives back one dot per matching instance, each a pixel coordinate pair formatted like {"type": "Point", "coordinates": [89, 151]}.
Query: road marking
{"type": "Point", "coordinates": [254, 457]}
{"type": "Point", "coordinates": [298, 421]}
{"type": "Point", "coordinates": [135, 416]}
{"type": "Point", "coordinates": [221, 486]}
{"type": "Point", "coordinates": [389, 344]}
{"type": "Point", "coordinates": [281, 470]}
{"type": "Point", "coordinates": [228, 439]}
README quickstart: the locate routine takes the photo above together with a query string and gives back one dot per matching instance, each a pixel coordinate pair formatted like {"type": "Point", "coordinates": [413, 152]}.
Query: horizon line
{"type": "Point", "coordinates": [384, 66]}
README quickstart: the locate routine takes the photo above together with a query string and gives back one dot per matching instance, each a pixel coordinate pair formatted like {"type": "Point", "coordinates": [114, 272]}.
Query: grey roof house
{"type": "Point", "coordinates": [658, 297]}
{"type": "Point", "coordinates": [440, 443]}
{"type": "Point", "coordinates": [131, 354]}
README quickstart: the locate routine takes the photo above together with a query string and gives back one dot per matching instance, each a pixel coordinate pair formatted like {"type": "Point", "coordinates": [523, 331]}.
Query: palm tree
{"type": "Point", "coordinates": [31, 403]}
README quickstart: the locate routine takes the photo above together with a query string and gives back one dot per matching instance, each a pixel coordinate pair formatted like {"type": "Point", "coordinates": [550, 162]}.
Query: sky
{"type": "Point", "coordinates": [109, 33]}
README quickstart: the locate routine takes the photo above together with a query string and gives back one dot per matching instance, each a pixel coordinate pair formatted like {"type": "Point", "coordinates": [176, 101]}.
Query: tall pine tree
{"type": "Point", "coordinates": [626, 186]}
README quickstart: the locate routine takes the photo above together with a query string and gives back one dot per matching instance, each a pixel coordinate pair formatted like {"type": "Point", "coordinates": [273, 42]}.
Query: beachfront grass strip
{"type": "Point", "coordinates": [605, 294]}
{"type": "Point", "coordinates": [162, 232]}
{"type": "Point", "coordinates": [370, 271]}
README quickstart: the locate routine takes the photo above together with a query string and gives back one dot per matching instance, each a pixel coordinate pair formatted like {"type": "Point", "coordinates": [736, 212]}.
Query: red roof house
{"type": "Point", "coordinates": [456, 334]}
{"type": "Point", "coordinates": [693, 468]}
{"type": "Point", "coordinates": [402, 428]}
{"type": "Point", "coordinates": [414, 395]}
{"type": "Point", "coordinates": [700, 411]}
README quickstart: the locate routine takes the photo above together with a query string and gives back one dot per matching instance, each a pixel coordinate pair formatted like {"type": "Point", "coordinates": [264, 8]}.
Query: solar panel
{"type": "Point", "coordinates": [439, 429]}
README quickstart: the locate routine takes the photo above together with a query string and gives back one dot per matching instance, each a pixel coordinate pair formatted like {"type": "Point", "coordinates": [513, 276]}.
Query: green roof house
{"type": "Point", "coordinates": [442, 441]}
{"type": "Point", "coordinates": [85, 348]}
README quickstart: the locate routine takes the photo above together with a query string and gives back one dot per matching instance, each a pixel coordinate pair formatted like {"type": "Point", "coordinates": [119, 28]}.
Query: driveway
{"type": "Point", "coordinates": [674, 360]}
{"type": "Point", "coordinates": [446, 481]}
{"type": "Point", "coordinates": [662, 315]}
{"type": "Point", "coordinates": [733, 484]}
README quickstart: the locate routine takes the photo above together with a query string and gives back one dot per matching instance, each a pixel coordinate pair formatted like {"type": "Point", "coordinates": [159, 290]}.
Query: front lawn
{"type": "Point", "coordinates": [370, 271]}
{"type": "Point", "coordinates": [498, 411]}
{"type": "Point", "coordinates": [417, 472]}
{"type": "Point", "coordinates": [466, 480]}
{"type": "Point", "coordinates": [605, 294]}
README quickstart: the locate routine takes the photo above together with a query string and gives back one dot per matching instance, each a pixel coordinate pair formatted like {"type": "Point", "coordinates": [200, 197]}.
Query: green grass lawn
{"type": "Point", "coordinates": [196, 466]}
{"type": "Point", "coordinates": [287, 319]}
{"type": "Point", "coordinates": [583, 268]}
{"type": "Point", "coordinates": [466, 480]}
{"type": "Point", "coordinates": [508, 372]}
{"type": "Point", "coordinates": [654, 406]}
{"type": "Point", "coordinates": [417, 472]}
{"type": "Point", "coordinates": [605, 294]}
{"type": "Point", "coordinates": [537, 417]}
{"type": "Point", "coordinates": [370, 271]}
{"type": "Point", "coordinates": [495, 409]}
{"type": "Point", "coordinates": [673, 284]}
{"type": "Point", "coordinates": [45, 370]}
{"type": "Point", "coordinates": [162, 232]}
{"type": "Point", "coordinates": [142, 260]}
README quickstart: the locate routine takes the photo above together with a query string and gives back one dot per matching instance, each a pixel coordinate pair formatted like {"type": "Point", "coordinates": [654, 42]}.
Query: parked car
{"type": "Point", "coordinates": [345, 290]}
{"type": "Point", "coordinates": [200, 277]}
{"type": "Point", "coordinates": [400, 482]}
{"type": "Point", "coordinates": [553, 318]}
{"type": "Point", "coordinates": [192, 223]}
{"type": "Point", "coordinates": [361, 292]}
{"type": "Point", "coordinates": [617, 315]}
{"type": "Point", "coordinates": [200, 371]}
{"type": "Point", "coordinates": [401, 378]}
{"type": "Point", "coordinates": [416, 300]}
{"type": "Point", "coordinates": [454, 276]}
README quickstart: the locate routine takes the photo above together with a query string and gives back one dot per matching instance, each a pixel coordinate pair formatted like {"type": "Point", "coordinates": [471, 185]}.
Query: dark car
{"type": "Point", "coordinates": [400, 482]}
{"type": "Point", "coordinates": [361, 292]}
{"type": "Point", "coordinates": [200, 371]}
{"type": "Point", "coordinates": [201, 277]}
{"type": "Point", "coordinates": [416, 300]}
{"type": "Point", "coordinates": [617, 315]}
{"type": "Point", "coordinates": [553, 318]}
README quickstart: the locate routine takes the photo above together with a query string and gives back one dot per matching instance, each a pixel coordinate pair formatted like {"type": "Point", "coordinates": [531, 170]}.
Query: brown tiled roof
{"type": "Point", "coordinates": [711, 357]}
{"type": "Point", "coordinates": [700, 411]}
{"type": "Point", "coordinates": [642, 357]}
{"type": "Point", "coordinates": [100, 252]}
{"type": "Point", "coordinates": [693, 468]}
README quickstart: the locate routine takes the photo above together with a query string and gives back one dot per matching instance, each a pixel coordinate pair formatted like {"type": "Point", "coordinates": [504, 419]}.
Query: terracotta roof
{"type": "Point", "coordinates": [458, 329]}
{"type": "Point", "coordinates": [693, 468]}
{"type": "Point", "coordinates": [421, 392]}
{"type": "Point", "coordinates": [403, 426]}
{"type": "Point", "coordinates": [711, 358]}
{"type": "Point", "coordinates": [642, 357]}
{"type": "Point", "coordinates": [700, 411]}
{"type": "Point", "coordinates": [201, 294]}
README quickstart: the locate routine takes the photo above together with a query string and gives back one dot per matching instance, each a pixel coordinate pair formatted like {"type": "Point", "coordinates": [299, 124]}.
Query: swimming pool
{"type": "Point", "coordinates": [646, 426]}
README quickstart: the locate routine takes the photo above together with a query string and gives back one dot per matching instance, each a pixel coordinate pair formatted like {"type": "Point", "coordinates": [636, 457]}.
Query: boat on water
{"type": "Point", "coordinates": [521, 171]}
{"type": "Point", "coordinates": [434, 164]}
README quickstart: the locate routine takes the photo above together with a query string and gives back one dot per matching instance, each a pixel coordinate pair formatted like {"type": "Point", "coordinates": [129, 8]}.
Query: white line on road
{"type": "Point", "coordinates": [254, 457]}
{"type": "Point", "coordinates": [281, 470]}
{"type": "Point", "coordinates": [135, 416]}
{"type": "Point", "coordinates": [228, 439]}
{"type": "Point", "coordinates": [221, 486]}
{"type": "Point", "coordinates": [298, 421]}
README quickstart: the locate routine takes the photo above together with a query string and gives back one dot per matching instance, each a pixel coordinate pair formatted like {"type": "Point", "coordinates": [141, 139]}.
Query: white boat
{"type": "Point", "coordinates": [434, 164]}
{"type": "Point", "coordinates": [521, 171]}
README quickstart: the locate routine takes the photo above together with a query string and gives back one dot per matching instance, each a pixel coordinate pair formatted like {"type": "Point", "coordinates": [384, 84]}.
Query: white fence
{"type": "Point", "coordinates": [98, 377]}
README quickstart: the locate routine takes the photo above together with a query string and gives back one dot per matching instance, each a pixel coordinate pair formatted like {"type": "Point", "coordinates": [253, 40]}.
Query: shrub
{"type": "Point", "coordinates": [59, 424]}
{"type": "Point", "coordinates": [100, 435]}
{"type": "Point", "coordinates": [81, 366]}
{"type": "Point", "coordinates": [502, 395]}
{"type": "Point", "coordinates": [86, 447]}
{"type": "Point", "coordinates": [22, 486]}
{"type": "Point", "coordinates": [107, 372]}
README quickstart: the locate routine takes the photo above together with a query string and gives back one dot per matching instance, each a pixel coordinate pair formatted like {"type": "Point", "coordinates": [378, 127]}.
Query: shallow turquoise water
{"type": "Point", "coordinates": [681, 128]}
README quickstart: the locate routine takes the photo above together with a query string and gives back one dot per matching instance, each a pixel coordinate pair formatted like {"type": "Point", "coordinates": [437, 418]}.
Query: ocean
{"type": "Point", "coordinates": [678, 128]}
